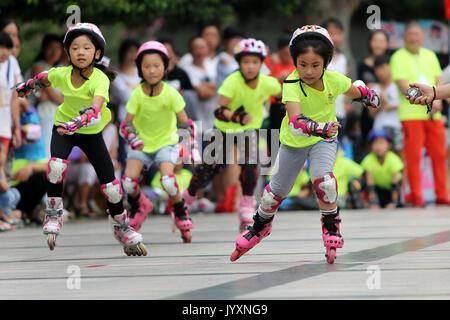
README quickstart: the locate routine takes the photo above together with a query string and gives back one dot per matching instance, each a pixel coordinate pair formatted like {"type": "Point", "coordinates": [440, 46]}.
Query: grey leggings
{"type": "Point", "coordinates": [291, 160]}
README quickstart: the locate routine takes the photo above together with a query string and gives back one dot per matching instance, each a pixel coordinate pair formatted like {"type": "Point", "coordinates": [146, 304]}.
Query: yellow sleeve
{"type": "Point", "coordinates": [54, 77]}
{"type": "Point", "coordinates": [133, 104]}
{"type": "Point", "coordinates": [178, 102]}
{"type": "Point", "coordinates": [101, 86]}
{"type": "Point", "coordinates": [227, 88]}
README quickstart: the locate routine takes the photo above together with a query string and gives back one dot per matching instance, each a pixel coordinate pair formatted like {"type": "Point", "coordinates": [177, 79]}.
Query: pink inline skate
{"type": "Point", "coordinates": [246, 211]}
{"type": "Point", "coordinates": [252, 236]}
{"type": "Point", "coordinates": [188, 199]}
{"type": "Point", "coordinates": [183, 222]}
{"type": "Point", "coordinates": [139, 211]}
{"type": "Point", "coordinates": [332, 238]}
{"type": "Point", "coordinates": [53, 221]}
{"type": "Point", "coordinates": [131, 240]}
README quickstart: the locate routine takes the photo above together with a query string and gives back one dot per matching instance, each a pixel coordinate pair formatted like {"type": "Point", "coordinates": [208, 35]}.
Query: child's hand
{"type": "Point", "coordinates": [246, 119]}
{"type": "Point", "coordinates": [334, 129]}
{"type": "Point", "coordinates": [61, 131]}
{"type": "Point", "coordinates": [23, 174]}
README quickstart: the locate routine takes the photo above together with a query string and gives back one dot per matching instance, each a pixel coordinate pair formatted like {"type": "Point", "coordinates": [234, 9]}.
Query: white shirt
{"type": "Point", "coordinates": [121, 89]}
{"type": "Point", "coordinates": [210, 65]}
{"type": "Point", "coordinates": [204, 109]}
{"type": "Point", "coordinates": [388, 118]}
{"type": "Point", "coordinates": [339, 64]}
{"type": "Point", "coordinates": [10, 75]}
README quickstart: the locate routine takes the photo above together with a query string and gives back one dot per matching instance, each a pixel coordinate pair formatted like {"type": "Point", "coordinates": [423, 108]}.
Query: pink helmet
{"type": "Point", "coordinates": [250, 46]}
{"type": "Point", "coordinates": [312, 30]}
{"type": "Point", "coordinates": [308, 32]}
{"type": "Point", "coordinates": [152, 47]}
{"type": "Point", "coordinates": [89, 29]}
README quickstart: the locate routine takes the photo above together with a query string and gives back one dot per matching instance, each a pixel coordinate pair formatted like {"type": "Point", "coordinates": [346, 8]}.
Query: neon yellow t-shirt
{"type": "Point", "coordinates": [18, 164]}
{"type": "Point", "coordinates": [382, 173]}
{"type": "Point", "coordinates": [344, 170]}
{"type": "Point", "coordinates": [235, 88]}
{"type": "Point", "coordinates": [183, 179]}
{"type": "Point", "coordinates": [155, 117]}
{"type": "Point", "coordinates": [421, 68]}
{"type": "Point", "coordinates": [77, 98]}
{"type": "Point", "coordinates": [318, 105]}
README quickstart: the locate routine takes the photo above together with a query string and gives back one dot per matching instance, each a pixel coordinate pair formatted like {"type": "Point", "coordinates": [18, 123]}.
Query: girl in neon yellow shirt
{"type": "Point", "coordinates": [150, 127]}
{"type": "Point", "coordinates": [79, 121]}
{"type": "Point", "coordinates": [239, 116]}
{"type": "Point", "coordinates": [308, 130]}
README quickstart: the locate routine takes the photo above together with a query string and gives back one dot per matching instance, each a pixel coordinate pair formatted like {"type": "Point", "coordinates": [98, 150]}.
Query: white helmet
{"type": "Point", "coordinates": [312, 30]}
{"type": "Point", "coordinates": [250, 46]}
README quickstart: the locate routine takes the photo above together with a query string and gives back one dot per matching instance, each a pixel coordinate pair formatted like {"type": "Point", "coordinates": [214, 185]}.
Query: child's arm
{"type": "Point", "coordinates": [361, 93]}
{"type": "Point", "coordinates": [89, 116]}
{"type": "Point", "coordinates": [4, 186]}
{"type": "Point", "coordinates": [395, 191]}
{"type": "Point", "coordinates": [223, 113]}
{"type": "Point", "coordinates": [38, 81]}
{"type": "Point", "coordinates": [300, 125]}
{"type": "Point", "coordinates": [128, 132]}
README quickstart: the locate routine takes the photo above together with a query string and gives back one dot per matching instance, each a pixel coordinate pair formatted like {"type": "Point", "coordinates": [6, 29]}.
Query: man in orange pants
{"type": "Point", "coordinates": [421, 129]}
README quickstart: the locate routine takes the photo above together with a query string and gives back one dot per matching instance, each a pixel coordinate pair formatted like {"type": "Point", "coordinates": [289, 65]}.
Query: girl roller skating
{"type": "Point", "coordinates": [239, 116]}
{"type": "Point", "coordinates": [79, 121]}
{"type": "Point", "coordinates": [150, 127]}
{"type": "Point", "coordinates": [309, 129]}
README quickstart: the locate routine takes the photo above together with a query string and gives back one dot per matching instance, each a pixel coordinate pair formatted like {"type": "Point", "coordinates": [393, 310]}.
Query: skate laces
{"type": "Point", "coordinates": [180, 211]}
{"type": "Point", "coordinates": [257, 227]}
{"type": "Point", "coordinates": [329, 222]}
{"type": "Point", "coordinates": [52, 214]}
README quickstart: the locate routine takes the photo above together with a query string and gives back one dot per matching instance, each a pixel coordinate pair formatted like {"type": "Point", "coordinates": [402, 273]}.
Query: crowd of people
{"type": "Point", "coordinates": [379, 153]}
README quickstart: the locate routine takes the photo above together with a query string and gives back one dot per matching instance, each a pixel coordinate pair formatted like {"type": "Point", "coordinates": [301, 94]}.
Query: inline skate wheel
{"type": "Point", "coordinates": [51, 241]}
{"type": "Point", "coordinates": [331, 255]}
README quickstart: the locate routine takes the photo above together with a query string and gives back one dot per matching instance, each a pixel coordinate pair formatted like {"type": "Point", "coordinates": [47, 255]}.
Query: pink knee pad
{"type": "Point", "coordinates": [130, 185]}
{"type": "Point", "coordinates": [112, 191]}
{"type": "Point", "coordinates": [56, 170]}
{"type": "Point", "coordinates": [326, 188]}
{"type": "Point", "coordinates": [269, 201]}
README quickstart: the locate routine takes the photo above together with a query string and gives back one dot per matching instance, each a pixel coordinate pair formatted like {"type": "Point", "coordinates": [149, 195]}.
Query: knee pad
{"type": "Point", "coordinates": [203, 175]}
{"type": "Point", "coordinates": [326, 188]}
{"type": "Point", "coordinates": [130, 185]}
{"type": "Point", "coordinates": [169, 184]}
{"type": "Point", "coordinates": [249, 173]}
{"type": "Point", "coordinates": [56, 170]}
{"type": "Point", "coordinates": [112, 191]}
{"type": "Point", "coordinates": [269, 201]}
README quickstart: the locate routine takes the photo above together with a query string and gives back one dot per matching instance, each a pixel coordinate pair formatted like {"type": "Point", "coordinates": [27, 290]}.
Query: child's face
{"type": "Point", "coordinates": [152, 66]}
{"type": "Point", "coordinates": [383, 72]}
{"type": "Point", "coordinates": [250, 65]}
{"type": "Point", "coordinates": [336, 34]}
{"type": "Point", "coordinates": [82, 51]}
{"type": "Point", "coordinates": [4, 53]}
{"type": "Point", "coordinates": [310, 66]}
{"type": "Point", "coordinates": [380, 146]}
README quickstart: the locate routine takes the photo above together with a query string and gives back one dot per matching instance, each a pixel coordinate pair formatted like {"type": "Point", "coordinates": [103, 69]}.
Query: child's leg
{"type": "Point", "coordinates": [95, 149]}
{"type": "Point", "coordinates": [248, 156]}
{"type": "Point", "coordinates": [56, 172]}
{"type": "Point", "coordinates": [287, 167]}
{"type": "Point", "coordinates": [323, 156]}
{"type": "Point", "coordinates": [167, 158]}
{"type": "Point", "coordinates": [205, 172]}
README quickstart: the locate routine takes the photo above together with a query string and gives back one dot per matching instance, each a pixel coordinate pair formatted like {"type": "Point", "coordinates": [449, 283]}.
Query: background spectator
{"type": "Point", "coordinates": [421, 129]}
{"type": "Point", "coordinates": [48, 99]}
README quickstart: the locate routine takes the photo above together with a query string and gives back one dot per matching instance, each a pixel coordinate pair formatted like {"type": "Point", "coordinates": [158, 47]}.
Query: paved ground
{"type": "Point", "coordinates": [401, 254]}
